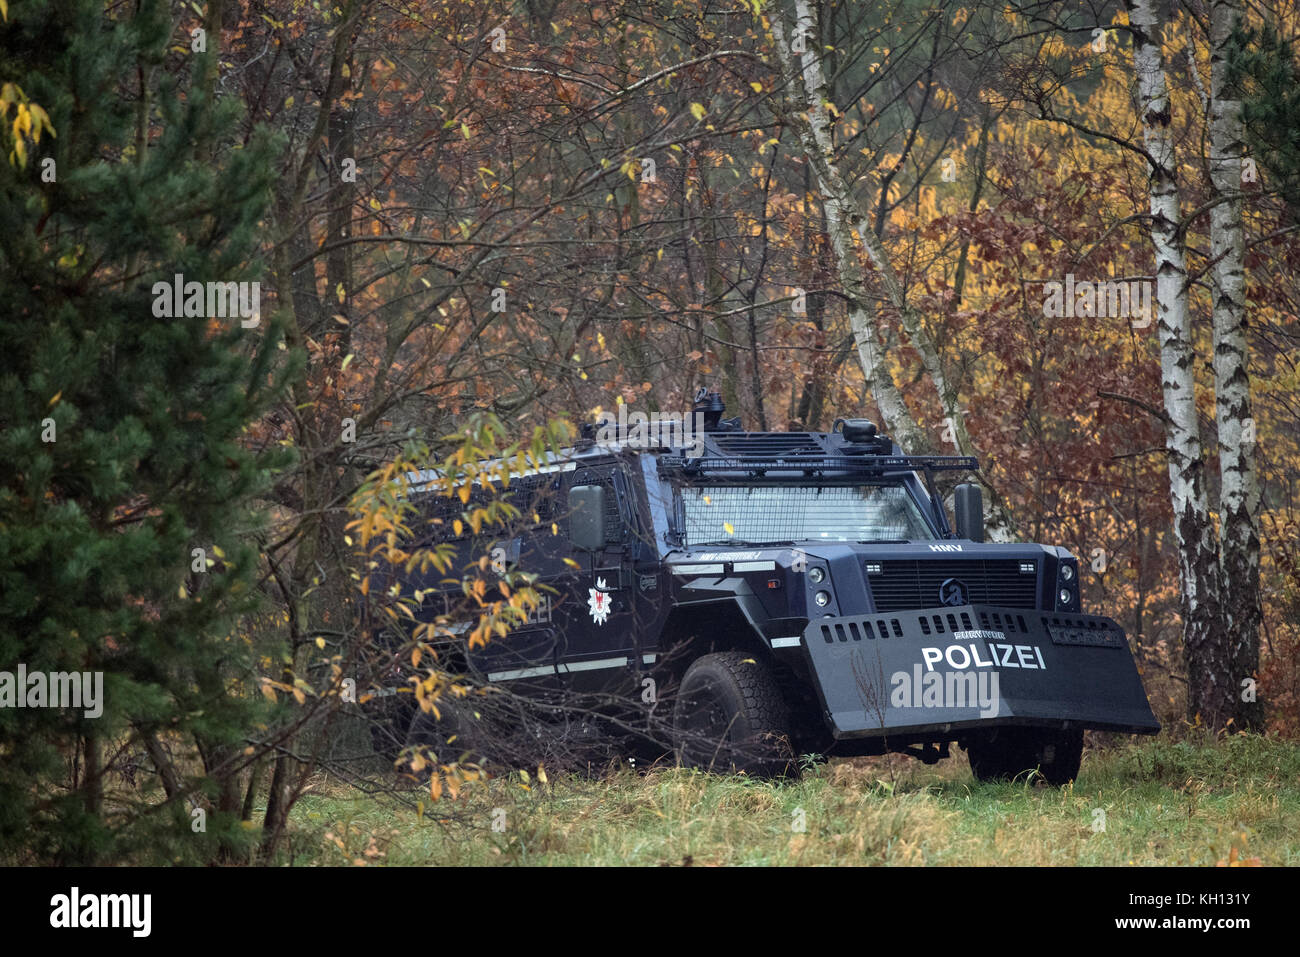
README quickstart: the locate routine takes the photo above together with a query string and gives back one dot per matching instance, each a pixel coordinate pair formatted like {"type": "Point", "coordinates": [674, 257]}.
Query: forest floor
{"type": "Point", "coordinates": [1146, 802]}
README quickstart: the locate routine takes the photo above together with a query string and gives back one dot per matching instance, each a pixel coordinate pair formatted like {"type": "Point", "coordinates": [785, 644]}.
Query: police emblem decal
{"type": "Point", "coordinates": [598, 602]}
{"type": "Point", "coordinates": [952, 593]}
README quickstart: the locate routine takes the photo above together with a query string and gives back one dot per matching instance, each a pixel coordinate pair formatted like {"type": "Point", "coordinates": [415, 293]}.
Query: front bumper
{"type": "Point", "coordinates": [938, 670]}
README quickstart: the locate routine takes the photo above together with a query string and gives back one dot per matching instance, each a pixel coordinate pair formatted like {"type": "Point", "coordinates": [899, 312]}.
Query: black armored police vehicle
{"type": "Point", "coordinates": [754, 598]}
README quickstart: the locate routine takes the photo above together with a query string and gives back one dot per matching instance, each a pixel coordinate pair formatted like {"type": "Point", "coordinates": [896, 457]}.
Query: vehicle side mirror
{"type": "Point", "coordinates": [968, 509]}
{"type": "Point", "coordinates": [587, 517]}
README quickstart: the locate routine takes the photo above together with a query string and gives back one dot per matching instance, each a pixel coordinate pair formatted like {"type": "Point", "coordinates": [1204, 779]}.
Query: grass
{"type": "Point", "coordinates": [1163, 803]}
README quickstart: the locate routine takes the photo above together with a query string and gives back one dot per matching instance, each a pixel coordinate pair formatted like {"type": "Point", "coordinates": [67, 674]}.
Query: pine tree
{"type": "Point", "coordinates": [1263, 73]}
{"type": "Point", "coordinates": [123, 437]}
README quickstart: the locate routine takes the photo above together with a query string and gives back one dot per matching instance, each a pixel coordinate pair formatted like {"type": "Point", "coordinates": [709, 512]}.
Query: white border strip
{"type": "Point", "coordinates": [792, 642]}
{"type": "Point", "coordinates": [521, 673]}
{"type": "Point", "coordinates": [597, 665]}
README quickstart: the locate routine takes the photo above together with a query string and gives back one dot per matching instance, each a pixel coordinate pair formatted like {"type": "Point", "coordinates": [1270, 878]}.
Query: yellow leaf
{"type": "Point", "coordinates": [730, 530]}
{"type": "Point", "coordinates": [756, 87]}
{"type": "Point", "coordinates": [320, 643]}
{"type": "Point", "coordinates": [57, 396]}
{"type": "Point", "coordinates": [697, 111]}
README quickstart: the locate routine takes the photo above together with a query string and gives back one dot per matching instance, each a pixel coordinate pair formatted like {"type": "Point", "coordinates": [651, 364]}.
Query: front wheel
{"type": "Point", "coordinates": [1005, 753]}
{"type": "Point", "coordinates": [730, 715]}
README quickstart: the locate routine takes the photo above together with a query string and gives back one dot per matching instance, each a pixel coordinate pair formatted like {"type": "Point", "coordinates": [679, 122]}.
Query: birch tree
{"type": "Point", "coordinates": [848, 224]}
{"type": "Point", "coordinates": [1219, 585]}
{"type": "Point", "coordinates": [1239, 497]}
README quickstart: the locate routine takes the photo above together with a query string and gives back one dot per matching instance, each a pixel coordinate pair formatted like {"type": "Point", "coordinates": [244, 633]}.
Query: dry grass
{"type": "Point", "coordinates": [1164, 803]}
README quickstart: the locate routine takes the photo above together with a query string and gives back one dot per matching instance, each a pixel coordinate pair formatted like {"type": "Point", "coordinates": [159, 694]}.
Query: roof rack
{"type": "Point", "coordinates": [816, 464]}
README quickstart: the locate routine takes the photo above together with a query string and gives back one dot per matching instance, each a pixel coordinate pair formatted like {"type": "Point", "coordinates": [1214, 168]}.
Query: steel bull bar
{"type": "Point", "coordinates": [935, 670]}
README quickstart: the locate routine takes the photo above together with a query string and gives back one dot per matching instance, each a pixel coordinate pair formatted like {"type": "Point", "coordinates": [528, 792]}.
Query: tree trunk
{"type": "Point", "coordinates": [1239, 486]}
{"type": "Point", "coordinates": [845, 218]}
{"type": "Point", "coordinates": [1208, 657]}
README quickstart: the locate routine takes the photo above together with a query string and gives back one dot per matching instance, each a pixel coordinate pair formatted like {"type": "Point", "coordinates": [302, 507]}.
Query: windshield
{"type": "Point", "coordinates": [757, 514]}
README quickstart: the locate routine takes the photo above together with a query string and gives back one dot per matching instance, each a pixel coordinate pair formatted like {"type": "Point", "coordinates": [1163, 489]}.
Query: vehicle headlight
{"type": "Point", "coordinates": [1066, 596]}
{"type": "Point", "coordinates": [1067, 573]}
{"type": "Point", "coordinates": [822, 598]}
{"type": "Point", "coordinates": [817, 574]}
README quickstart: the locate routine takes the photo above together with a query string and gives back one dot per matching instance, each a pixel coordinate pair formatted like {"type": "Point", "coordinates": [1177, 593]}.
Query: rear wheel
{"type": "Point", "coordinates": [452, 736]}
{"type": "Point", "coordinates": [1004, 753]}
{"type": "Point", "coordinates": [730, 716]}
{"type": "Point", "coordinates": [389, 722]}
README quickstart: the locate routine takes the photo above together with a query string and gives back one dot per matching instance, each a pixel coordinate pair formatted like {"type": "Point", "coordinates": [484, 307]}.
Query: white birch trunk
{"type": "Point", "coordinates": [1204, 644]}
{"type": "Point", "coordinates": [807, 82]}
{"type": "Point", "coordinates": [1239, 486]}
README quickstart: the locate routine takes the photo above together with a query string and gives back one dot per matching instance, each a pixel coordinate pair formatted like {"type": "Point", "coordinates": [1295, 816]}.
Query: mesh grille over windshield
{"type": "Point", "coordinates": [783, 513]}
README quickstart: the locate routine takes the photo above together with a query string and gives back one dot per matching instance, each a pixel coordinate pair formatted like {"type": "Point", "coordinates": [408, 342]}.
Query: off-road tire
{"type": "Point", "coordinates": [1005, 753]}
{"type": "Point", "coordinates": [389, 723]}
{"type": "Point", "coordinates": [729, 715]}
{"type": "Point", "coordinates": [451, 738]}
